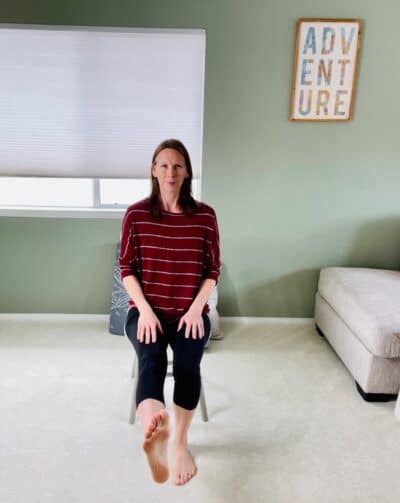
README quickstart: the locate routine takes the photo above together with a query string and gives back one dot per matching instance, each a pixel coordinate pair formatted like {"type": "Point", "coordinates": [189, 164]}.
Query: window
{"type": "Point", "coordinates": [82, 109]}
{"type": "Point", "coordinates": [75, 192]}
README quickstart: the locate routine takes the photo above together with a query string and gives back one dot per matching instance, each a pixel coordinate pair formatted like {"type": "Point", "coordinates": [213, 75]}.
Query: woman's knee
{"type": "Point", "coordinates": [185, 369]}
{"type": "Point", "coordinates": [153, 355]}
{"type": "Point", "coordinates": [188, 353]}
{"type": "Point", "coordinates": [187, 387]}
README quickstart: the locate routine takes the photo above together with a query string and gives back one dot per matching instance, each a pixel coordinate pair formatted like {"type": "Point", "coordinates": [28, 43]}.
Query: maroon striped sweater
{"type": "Point", "coordinates": [170, 257]}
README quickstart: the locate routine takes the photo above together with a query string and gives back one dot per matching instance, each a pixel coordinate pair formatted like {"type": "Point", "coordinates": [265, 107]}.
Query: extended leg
{"type": "Point", "coordinates": [154, 421]}
{"type": "Point", "coordinates": [152, 366]}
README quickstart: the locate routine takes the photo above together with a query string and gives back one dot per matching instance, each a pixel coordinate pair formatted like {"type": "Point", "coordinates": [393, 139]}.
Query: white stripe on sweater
{"type": "Point", "coordinates": [169, 308]}
{"type": "Point", "coordinates": [167, 296]}
{"type": "Point", "coordinates": [167, 284]}
{"type": "Point", "coordinates": [173, 261]}
{"type": "Point", "coordinates": [176, 226]}
{"type": "Point", "coordinates": [172, 249]}
{"type": "Point", "coordinates": [170, 237]}
{"type": "Point", "coordinates": [173, 273]}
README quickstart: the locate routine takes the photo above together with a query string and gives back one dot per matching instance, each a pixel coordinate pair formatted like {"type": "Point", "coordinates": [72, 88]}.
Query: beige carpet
{"type": "Point", "coordinates": [286, 422]}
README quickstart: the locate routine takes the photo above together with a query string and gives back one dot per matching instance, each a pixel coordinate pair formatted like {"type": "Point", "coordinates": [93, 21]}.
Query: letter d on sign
{"type": "Point", "coordinates": [326, 33]}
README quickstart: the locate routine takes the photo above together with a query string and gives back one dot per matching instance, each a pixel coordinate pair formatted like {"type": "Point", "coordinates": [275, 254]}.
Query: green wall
{"type": "Point", "coordinates": [290, 197]}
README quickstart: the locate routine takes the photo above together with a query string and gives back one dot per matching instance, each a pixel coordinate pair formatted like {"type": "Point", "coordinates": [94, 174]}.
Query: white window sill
{"type": "Point", "coordinates": [51, 212]}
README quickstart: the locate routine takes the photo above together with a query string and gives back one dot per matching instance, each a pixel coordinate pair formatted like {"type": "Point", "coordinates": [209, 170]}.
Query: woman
{"type": "Point", "coordinates": [169, 264]}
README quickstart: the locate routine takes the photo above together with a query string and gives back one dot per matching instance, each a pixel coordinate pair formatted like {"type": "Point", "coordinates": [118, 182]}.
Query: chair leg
{"type": "Point", "coordinates": [132, 414]}
{"type": "Point", "coordinates": [134, 365]}
{"type": "Point", "coordinates": [203, 405]}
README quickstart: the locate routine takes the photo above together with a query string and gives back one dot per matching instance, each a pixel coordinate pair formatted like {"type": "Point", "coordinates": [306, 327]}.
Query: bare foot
{"type": "Point", "coordinates": [155, 446]}
{"type": "Point", "coordinates": [184, 467]}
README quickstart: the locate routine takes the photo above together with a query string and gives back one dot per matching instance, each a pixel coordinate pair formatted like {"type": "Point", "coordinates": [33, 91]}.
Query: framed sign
{"type": "Point", "coordinates": [325, 69]}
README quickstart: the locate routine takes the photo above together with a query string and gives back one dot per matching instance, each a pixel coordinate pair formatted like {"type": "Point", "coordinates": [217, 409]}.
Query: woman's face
{"type": "Point", "coordinates": [170, 170]}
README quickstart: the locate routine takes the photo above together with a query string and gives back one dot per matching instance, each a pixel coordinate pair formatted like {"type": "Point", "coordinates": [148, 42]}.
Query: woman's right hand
{"type": "Point", "coordinates": [148, 323]}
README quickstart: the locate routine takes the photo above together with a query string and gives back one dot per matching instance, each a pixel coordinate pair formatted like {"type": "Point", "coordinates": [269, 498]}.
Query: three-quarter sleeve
{"type": "Point", "coordinates": [212, 264]}
{"type": "Point", "coordinates": [127, 255]}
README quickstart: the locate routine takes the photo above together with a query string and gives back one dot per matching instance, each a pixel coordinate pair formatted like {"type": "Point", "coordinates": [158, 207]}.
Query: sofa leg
{"type": "Point", "coordinates": [319, 330]}
{"type": "Point", "coordinates": [375, 397]}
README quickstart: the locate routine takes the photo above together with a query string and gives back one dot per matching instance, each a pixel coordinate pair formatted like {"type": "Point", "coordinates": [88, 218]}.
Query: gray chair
{"type": "Point", "coordinates": [132, 414]}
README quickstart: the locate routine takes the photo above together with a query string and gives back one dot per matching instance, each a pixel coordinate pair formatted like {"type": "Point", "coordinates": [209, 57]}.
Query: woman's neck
{"type": "Point", "coordinates": [169, 202]}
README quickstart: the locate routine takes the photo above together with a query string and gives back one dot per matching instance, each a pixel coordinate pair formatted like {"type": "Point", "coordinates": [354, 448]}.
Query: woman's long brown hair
{"type": "Point", "coordinates": [186, 200]}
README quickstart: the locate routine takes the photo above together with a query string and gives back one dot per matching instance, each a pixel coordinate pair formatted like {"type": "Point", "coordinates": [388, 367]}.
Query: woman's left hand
{"type": "Point", "coordinates": [194, 324]}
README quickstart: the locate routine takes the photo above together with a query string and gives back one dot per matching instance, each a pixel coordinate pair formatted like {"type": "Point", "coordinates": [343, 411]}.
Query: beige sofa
{"type": "Point", "coordinates": [358, 311]}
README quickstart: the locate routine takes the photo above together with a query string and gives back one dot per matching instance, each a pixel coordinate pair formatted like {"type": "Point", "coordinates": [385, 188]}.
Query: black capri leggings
{"type": "Point", "coordinates": [152, 359]}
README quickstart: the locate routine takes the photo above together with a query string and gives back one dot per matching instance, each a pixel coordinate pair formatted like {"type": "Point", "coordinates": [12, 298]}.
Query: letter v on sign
{"type": "Point", "coordinates": [347, 44]}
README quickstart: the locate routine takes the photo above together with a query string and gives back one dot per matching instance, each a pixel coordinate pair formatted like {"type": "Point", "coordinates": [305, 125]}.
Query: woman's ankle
{"type": "Point", "coordinates": [147, 408]}
{"type": "Point", "coordinates": [179, 443]}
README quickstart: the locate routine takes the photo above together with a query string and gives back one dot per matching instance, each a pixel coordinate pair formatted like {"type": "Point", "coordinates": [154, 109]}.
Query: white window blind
{"type": "Point", "coordinates": [95, 102]}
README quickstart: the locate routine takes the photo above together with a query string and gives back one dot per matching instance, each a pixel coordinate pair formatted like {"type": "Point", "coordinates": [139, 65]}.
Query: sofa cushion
{"type": "Point", "coordinates": [368, 301]}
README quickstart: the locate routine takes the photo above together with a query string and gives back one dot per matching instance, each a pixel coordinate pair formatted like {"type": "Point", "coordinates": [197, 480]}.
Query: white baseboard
{"type": "Point", "coordinates": [247, 320]}
{"type": "Point", "coordinates": [53, 317]}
